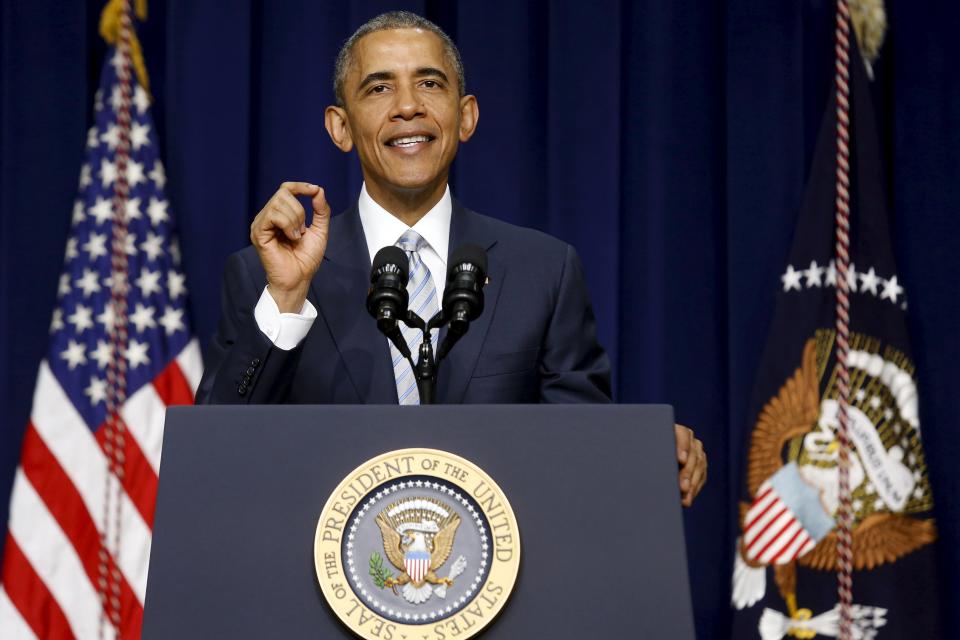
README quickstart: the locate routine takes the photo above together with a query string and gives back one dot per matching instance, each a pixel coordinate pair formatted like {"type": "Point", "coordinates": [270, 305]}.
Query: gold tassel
{"type": "Point", "coordinates": [869, 18]}
{"type": "Point", "coordinates": [110, 31]}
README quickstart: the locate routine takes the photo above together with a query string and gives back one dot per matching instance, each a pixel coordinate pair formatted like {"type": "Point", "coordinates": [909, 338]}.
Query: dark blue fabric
{"type": "Point", "coordinates": [536, 340]}
{"type": "Point", "coordinates": [668, 142]}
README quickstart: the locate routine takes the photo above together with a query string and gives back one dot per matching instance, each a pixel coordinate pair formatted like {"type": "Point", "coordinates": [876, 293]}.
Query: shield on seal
{"type": "Point", "coordinates": [417, 563]}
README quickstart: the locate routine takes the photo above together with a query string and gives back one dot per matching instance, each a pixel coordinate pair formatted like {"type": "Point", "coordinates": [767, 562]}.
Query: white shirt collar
{"type": "Point", "coordinates": [383, 229]}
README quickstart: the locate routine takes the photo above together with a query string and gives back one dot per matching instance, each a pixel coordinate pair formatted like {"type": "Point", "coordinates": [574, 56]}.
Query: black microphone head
{"type": "Point", "coordinates": [470, 254]}
{"type": "Point", "coordinates": [390, 259]}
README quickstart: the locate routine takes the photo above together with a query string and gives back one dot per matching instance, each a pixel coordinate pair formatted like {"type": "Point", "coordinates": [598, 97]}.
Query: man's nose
{"type": "Point", "coordinates": [407, 104]}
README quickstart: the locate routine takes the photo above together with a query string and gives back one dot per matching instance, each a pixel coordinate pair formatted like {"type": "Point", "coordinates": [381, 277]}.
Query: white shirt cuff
{"type": "Point", "coordinates": [285, 330]}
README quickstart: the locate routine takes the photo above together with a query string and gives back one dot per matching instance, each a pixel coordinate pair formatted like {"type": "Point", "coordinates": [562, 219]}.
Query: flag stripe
{"type": "Point", "coordinates": [139, 479]}
{"type": "Point", "coordinates": [66, 507]}
{"type": "Point", "coordinates": [143, 414]}
{"type": "Point", "coordinates": [790, 550]}
{"type": "Point", "coordinates": [53, 558]}
{"type": "Point", "coordinates": [761, 535]}
{"type": "Point", "coordinates": [760, 522]}
{"type": "Point", "coordinates": [80, 456]}
{"type": "Point", "coordinates": [190, 362]}
{"type": "Point", "coordinates": [27, 609]}
{"type": "Point", "coordinates": [780, 540]}
{"type": "Point", "coordinates": [760, 507]}
{"type": "Point", "coordinates": [172, 387]}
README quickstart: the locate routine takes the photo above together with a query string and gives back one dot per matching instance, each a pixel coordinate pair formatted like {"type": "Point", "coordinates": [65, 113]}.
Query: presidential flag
{"type": "Point", "coordinates": [785, 578]}
{"type": "Point", "coordinates": [121, 351]}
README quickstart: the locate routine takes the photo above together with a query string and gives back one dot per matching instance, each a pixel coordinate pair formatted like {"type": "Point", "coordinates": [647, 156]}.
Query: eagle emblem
{"type": "Point", "coordinates": [792, 478]}
{"type": "Point", "coordinates": [418, 536]}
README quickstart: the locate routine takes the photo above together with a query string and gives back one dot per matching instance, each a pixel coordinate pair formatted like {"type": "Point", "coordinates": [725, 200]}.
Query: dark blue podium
{"type": "Point", "coordinates": [593, 489]}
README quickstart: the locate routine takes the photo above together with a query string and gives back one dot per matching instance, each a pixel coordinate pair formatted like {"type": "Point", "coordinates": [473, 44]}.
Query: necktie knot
{"type": "Point", "coordinates": [411, 241]}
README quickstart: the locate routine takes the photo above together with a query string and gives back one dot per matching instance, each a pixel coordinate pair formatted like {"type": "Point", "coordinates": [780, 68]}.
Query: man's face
{"type": "Point", "coordinates": [403, 110]}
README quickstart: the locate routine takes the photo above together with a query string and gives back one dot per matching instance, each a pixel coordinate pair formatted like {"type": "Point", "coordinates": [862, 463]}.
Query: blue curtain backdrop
{"type": "Point", "coordinates": [668, 141]}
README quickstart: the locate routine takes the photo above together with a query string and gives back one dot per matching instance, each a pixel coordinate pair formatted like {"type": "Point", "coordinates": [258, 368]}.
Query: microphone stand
{"type": "Point", "coordinates": [425, 369]}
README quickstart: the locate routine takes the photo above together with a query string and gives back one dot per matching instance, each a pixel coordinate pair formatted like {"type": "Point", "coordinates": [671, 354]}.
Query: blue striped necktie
{"type": "Point", "coordinates": [423, 302]}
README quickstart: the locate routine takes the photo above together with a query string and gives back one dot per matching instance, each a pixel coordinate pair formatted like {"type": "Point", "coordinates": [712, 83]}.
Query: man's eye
{"type": "Point", "coordinates": [380, 88]}
{"type": "Point", "coordinates": [431, 84]}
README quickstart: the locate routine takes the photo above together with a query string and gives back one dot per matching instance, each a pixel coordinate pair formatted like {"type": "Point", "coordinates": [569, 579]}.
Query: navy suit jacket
{"type": "Point", "coordinates": [535, 341]}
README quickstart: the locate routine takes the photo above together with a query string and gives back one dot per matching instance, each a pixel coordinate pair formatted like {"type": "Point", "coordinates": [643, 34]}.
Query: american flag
{"type": "Point", "coordinates": [81, 511]}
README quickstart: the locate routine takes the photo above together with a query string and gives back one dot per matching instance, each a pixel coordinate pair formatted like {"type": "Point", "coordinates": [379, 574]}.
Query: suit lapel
{"type": "Point", "coordinates": [455, 372]}
{"type": "Point", "coordinates": [338, 291]}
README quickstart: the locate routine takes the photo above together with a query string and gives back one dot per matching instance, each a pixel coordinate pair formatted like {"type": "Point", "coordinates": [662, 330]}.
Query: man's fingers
{"type": "Point", "coordinates": [299, 188]}
{"type": "Point", "coordinates": [684, 437]}
{"type": "Point", "coordinates": [280, 217]}
{"type": "Point", "coordinates": [321, 210]}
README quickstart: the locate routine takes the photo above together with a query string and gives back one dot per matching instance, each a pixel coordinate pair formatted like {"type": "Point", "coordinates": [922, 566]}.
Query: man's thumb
{"type": "Point", "coordinates": [321, 210]}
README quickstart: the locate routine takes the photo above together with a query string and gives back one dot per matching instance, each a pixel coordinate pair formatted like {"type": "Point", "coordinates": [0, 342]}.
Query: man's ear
{"type": "Point", "coordinates": [335, 120]}
{"type": "Point", "coordinates": [469, 117]}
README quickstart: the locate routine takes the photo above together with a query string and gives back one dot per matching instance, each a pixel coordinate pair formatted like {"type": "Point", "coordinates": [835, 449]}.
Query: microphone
{"type": "Point", "coordinates": [463, 295]}
{"type": "Point", "coordinates": [387, 297]}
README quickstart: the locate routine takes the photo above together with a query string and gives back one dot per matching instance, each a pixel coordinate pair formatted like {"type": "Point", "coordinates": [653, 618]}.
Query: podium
{"type": "Point", "coordinates": [593, 489]}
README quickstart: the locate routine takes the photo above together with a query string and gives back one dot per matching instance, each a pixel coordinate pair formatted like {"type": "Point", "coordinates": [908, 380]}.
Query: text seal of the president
{"type": "Point", "coordinates": [417, 543]}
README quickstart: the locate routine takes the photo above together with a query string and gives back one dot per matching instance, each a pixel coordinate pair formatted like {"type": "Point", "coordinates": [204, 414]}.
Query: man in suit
{"type": "Point", "coordinates": [294, 327]}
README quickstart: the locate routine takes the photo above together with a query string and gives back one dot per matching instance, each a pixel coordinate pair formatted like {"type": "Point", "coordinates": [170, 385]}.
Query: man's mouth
{"type": "Point", "coordinates": [407, 142]}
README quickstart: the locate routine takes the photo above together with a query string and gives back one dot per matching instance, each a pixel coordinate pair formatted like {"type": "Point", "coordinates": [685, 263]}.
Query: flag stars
{"type": "Point", "coordinates": [108, 173]}
{"type": "Point", "coordinates": [152, 246]}
{"type": "Point", "coordinates": [157, 211]}
{"type": "Point", "coordinates": [102, 354]}
{"type": "Point", "coordinates": [132, 210]}
{"type": "Point", "coordinates": [96, 391]}
{"type": "Point", "coordinates": [176, 284]}
{"type": "Point", "coordinates": [139, 135]}
{"type": "Point", "coordinates": [135, 173]}
{"type": "Point", "coordinates": [108, 318]}
{"type": "Point", "coordinates": [111, 136]}
{"type": "Point", "coordinates": [92, 141]}
{"type": "Point", "coordinates": [791, 279]}
{"type": "Point", "coordinates": [891, 290]}
{"type": "Point", "coordinates": [85, 179]}
{"type": "Point", "coordinates": [158, 175]}
{"type": "Point", "coordinates": [96, 245]}
{"type": "Point", "coordinates": [115, 98]}
{"type": "Point", "coordinates": [869, 281]}
{"type": "Point", "coordinates": [56, 322]}
{"type": "Point", "coordinates": [813, 274]}
{"type": "Point", "coordinates": [141, 99]}
{"type": "Point", "coordinates": [74, 355]}
{"type": "Point", "coordinates": [89, 283]}
{"type": "Point", "coordinates": [81, 318]}
{"type": "Point", "coordinates": [130, 244]}
{"type": "Point", "coordinates": [831, 275]}
{"type": "Point", "coordinates": [172, 320]}
{"type": "Point", "coordinates": [63, 287]}
{"type": "Point", "coordinates": [102, 210]}
{"type": "Point", "coordinates": [142, 317]}
{"type": "Point", "coordinates": [136, 353]}
{"type": "Point", "coordinates": [149, 282]}
{"type": "Point", "coordinates": [852, 277]}
{"type": "Point", "coordinates": [78, 214]}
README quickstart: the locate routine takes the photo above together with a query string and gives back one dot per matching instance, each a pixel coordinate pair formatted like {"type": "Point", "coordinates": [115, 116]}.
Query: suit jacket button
{"type": "Point", "coordinates": [242, 389]}
{"type": "Point", "coordinates": [250, 371]}
{"type": "Point", "coordinates": [255, 362]}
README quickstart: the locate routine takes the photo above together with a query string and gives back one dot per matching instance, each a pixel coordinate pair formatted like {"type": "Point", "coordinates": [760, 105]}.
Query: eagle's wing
{"type": "Point", "coordinates": [792, 413]}
{"type": "Point", "coordinates": [391, 543]}
{"type": "Point", "coordinates": [880, 538]}
{"type": "Point", "coordinates": [443, 543]}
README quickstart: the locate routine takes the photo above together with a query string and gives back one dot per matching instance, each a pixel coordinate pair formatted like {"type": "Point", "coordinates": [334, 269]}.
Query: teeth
{"type": "Point", "coordinates": [408, 141]}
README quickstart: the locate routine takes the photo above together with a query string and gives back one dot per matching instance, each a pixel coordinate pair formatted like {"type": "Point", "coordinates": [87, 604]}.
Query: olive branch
{"type": "Point", "coordinates": [379, 573]}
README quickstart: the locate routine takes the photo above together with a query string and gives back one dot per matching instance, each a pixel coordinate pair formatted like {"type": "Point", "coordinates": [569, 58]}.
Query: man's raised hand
{"type": "Point", "coordinates": [289, 250]}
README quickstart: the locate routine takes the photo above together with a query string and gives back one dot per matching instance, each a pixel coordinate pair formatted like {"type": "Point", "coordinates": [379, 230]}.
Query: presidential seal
{"type": "Point", "coordinates": [417, 543]}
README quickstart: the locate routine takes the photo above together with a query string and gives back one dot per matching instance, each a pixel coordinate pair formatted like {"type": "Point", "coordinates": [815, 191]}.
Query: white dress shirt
{"type": "Point", "coordinates": [381, 229]}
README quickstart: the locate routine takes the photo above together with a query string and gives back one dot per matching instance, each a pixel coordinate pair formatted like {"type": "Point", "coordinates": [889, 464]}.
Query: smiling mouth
{"type": "Point", "coordinates": [407, 142]}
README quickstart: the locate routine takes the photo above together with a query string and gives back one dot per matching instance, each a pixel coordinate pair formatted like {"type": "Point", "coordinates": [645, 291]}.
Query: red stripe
{"type": "Point", "coordinates": [172, 385]}
{"type": "Point", "coordinates": [761, 514]}
{"type": "Point", "coordinates": [765, 527]}
{"type": "Point", "coordinates": [777, 535]}
{"type": "Point", "coordinates": [66, 506]}
{"type": "Point", "coordinates": [30, 596]}
{"type": "Point", "coordinates": [139, 479]}
{"type": "Point", "coordinates": [787, 546]}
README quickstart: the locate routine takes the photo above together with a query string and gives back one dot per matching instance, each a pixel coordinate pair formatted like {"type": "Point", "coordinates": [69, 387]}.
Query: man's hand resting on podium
{"type": "Point", "coordinates": [290, 251]}
{"type": "Point", "coordinates": [693, 464]}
